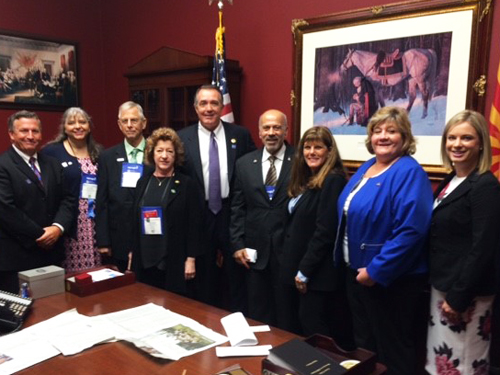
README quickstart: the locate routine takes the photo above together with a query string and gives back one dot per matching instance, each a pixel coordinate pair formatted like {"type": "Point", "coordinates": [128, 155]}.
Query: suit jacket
{"type": "Point", "coordinates": [238, 143]}
{"type": "Point", "coordinates": [27, 206]}
{"type": "Point", "coordinates": [72, 173]}
{"type": "Point", "coordinates": [113, 203]}
{"type": "Point", "coordinates": [256, 221]}
{"type": "Point", "coordinates": [181, 223]}
{"type": "Point", "coordinates": [464, 239]}
{"type": "Point", "coordinates": [310, 235]}
{"type": "Point", "coordinates": [387, 221]}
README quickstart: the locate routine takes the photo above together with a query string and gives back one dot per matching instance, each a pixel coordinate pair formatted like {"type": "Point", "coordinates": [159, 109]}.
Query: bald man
{"type": "Point", "coordinates": [258, 215]}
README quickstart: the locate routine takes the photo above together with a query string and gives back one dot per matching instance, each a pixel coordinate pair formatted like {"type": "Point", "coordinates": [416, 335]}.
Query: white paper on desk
{"type": "Point", "coordinates": [238, 330]}
{"type": "Point", "coordinates": [21, 350]}
{"type": "Point", "coordinates": [243, 351]}
{"type": "Point", "coordinates": [71, 332]}
{"type": "Point", "coordinates": [163, 333]}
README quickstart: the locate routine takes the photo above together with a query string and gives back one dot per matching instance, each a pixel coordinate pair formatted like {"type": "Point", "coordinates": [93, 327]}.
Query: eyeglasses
{"type": "Point", "coordinates": [133, 121]}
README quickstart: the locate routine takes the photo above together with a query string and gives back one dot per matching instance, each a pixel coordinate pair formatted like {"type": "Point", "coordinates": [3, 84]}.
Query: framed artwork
{"type": "Point", "coordinates": [429, 57]}
{"type": "Point", "coordinates": [37, 73]}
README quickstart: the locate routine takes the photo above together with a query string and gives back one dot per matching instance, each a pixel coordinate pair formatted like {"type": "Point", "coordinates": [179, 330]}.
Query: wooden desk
{"type": "Point", "coordinates": [123, 358]}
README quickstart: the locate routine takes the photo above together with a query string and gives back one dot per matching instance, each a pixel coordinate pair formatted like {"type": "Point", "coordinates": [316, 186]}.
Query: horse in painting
{"type": "Point", "coordinates": [419, 67]}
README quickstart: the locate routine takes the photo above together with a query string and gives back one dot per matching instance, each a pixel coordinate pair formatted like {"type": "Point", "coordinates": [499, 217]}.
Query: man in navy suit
{"type": "Point", "coordinates": [36, 207]}
{"type": "Point", "coordinates": [258, 214]}
{"type": "Point", "coordinates": [119, 169]}
{"type": "Point", "coordinates": [208, 143]}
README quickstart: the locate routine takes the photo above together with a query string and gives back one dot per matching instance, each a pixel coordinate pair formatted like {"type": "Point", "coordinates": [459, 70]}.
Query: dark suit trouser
{"type": "Point", "coordinates": [264, 293]}
{"type": "Point", "coordinates": [222, 287]}
{"type": "Point", "coordinates": [327, 313]}
{"type": "Point", "coordinates": [384, 318]}
{"type": "Point", "coordinates": [9, 281]}
{"type": "Point", "coordinates": [289, 320]}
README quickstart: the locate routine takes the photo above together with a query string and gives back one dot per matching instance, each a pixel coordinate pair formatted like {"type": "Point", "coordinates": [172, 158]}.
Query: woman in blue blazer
{"type": "Point", "coordinates": [384, 214]}
{"type": "Point", "coordinates": [312, 285]}
{"type": "Point", "coordinates": [463, 247]}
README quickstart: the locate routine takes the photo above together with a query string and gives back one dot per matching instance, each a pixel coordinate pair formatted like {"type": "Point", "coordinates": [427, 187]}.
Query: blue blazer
{"type": "Point", "coordinates": [387, 221]}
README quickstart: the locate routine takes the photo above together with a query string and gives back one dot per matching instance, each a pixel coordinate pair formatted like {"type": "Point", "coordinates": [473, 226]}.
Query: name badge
{"type": "Point", "coordinates": [131, 172]}
{"type": "Point", "coordinates": [88, 189]}
{"type": "Point", "coordinates": [151, 220]}
{"type": "Point", "coordinates": [270, 191]}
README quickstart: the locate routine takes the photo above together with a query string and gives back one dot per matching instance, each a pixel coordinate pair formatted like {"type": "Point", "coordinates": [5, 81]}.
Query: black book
{"type": "Point", "coordinates": [301, 358]}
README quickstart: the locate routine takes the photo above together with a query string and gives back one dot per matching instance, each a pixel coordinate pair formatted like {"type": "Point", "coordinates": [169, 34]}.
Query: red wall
{"type": "Point", "coordinates": [73, 20]}
{"type": "Point", "coordinates": [115, 34]}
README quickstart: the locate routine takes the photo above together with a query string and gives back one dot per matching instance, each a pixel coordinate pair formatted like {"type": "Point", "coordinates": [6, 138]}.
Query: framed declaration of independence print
{"type": "Point", "coordinates": [37, 73]}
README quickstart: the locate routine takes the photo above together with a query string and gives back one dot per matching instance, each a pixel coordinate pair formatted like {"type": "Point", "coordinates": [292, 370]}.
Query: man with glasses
{"type": "Point", "coordinates": [119, 168]}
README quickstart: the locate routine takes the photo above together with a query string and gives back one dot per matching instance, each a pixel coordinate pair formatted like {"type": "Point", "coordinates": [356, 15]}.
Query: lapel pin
{"type": "Point", "coordinates": [233, 140]}
{"type": "Point", "coordinates": [173, 191]}
{"type": "Point", "coordinates": [120, 159]}
{"type": "Point", "coordinates": [255, 160]}
{"type": "Point", "coordinates": [177, 182]}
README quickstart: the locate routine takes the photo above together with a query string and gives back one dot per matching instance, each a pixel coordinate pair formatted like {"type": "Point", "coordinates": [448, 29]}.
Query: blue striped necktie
{"type": "Point", "coordinates": [35, 169]}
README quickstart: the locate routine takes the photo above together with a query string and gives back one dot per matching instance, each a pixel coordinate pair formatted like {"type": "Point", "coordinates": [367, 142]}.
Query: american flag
{"type": "Point", "coordinates": [219, 72]}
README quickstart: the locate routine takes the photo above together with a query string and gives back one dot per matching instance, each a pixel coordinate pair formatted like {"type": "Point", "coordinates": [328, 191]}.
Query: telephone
{"type": "Point", "coordinates": [13, 310]}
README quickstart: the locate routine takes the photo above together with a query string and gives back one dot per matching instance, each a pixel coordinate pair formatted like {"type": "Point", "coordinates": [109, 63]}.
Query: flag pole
{"type": "Point", "coordinates": [219, 68]}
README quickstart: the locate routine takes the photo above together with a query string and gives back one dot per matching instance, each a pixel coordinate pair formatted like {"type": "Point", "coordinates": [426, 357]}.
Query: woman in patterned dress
{"type": "Point", "coordinates": [77, 151]}
{"type": "Point", "coordinates": [463, 245]}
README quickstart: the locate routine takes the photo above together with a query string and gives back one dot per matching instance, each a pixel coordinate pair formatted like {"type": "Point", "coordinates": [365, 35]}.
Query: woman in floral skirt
{"type": "Point", "coordinates": [464, 241]}
{"type": "Point", "coordinates": [77, 151]}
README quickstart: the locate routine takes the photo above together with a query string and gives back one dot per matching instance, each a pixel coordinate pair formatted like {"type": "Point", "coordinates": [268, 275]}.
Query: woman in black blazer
{"type": "Point", "coordinates": [307, 272]}
{"type": "Point", "coordinates": [463, 246]}
{"type": "Point", "coordinates": [167, 209]}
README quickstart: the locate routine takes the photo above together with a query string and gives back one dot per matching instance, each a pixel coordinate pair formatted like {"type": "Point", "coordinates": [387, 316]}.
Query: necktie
{"type": "Point", "coordinates": [214, 188]}
{"type": "Point", "coordinates": [133, 155]}
{"type": "Point", "coordinates": [35, 169]}
{"type": "Point", "coordinates": [271, 177]}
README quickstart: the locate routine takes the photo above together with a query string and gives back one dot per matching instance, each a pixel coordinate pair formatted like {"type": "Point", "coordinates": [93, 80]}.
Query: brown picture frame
{"type": "Point", "coordinates": [373, 24]}
{"type": "Point", "coordinates": [38, 73]}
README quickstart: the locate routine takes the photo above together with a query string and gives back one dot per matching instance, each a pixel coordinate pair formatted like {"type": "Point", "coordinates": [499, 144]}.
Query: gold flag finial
{"type": "Point", "coordinates": [220, 3]}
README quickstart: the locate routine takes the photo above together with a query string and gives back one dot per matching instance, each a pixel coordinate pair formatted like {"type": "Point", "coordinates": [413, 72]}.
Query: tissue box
{"type": "Point", "coordinates": [44, 281]}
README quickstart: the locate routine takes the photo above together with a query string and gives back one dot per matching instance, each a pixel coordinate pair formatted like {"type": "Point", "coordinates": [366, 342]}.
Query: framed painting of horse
{"type": "Point", "coordinates": [37, 73]}
{"type": "Point", "coordinates": [419, 55]}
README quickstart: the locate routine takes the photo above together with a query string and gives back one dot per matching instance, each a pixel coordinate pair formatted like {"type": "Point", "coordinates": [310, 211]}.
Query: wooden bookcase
{"type": "Point", "coordinates": [165, 82]}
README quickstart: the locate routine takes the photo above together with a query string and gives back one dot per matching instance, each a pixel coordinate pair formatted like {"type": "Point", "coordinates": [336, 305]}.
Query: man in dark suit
{"type": "Point", "coordinates": [36, 208]}
{"type": "Point", "coordinates": [119, 169]}
{"type": "Point", "coordinates": [258, 214]}
{"type": "Point", "coordinates": [211, 149]}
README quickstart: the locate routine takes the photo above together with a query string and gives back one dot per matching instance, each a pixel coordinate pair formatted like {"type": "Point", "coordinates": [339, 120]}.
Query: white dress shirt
{"type": "Point", "coordinates": [204, 141]}
{"type": "Point", "coordinates": [278, 162]}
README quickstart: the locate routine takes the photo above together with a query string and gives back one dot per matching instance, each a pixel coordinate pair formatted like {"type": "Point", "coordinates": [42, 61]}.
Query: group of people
{"type": "Point", "coordinates": [279, 233]}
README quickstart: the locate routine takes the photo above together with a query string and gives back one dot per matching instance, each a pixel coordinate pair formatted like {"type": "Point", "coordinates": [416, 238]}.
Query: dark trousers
{"type": "Point", "coordinates": [384, 318]}
{"type": "Point", "coordinates": [220, 285]}
{"type": "Point", "coordinates": [327, 313]}
{"type": "Point", "coordinates": [265, 298]}
{"type": "Point", "coordinates": [9, 281]}
{"type": "Point", "coordinates": [289, 320]}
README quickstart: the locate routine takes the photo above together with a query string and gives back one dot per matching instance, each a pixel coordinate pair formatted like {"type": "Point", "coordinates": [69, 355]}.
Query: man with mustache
{"type": "Point", "coordinates": [258, 215]}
